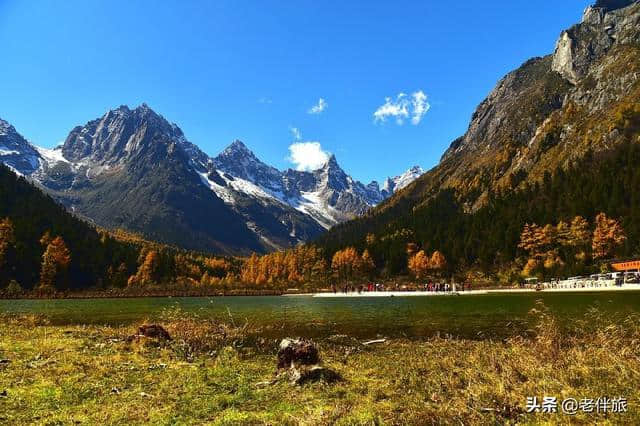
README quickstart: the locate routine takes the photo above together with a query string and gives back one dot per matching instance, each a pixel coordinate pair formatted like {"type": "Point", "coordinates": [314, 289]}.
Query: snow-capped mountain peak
{"type": "Point", "coordinates": [237, 147]}
{"type": "Point", "coordinates": [397, 183]}
{"type": "Point", "coordinates": [240, 162]}
{"type": "Point", "coordinates": [16, 152]}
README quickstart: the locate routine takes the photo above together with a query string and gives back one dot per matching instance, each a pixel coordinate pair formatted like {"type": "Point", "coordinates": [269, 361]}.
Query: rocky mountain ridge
{"type": "Point", "coordinates": [100, 169]}
{"type": "Point", "coordinates": [15, 151]}
{"type": "Point", "coordinates": [546, 114]}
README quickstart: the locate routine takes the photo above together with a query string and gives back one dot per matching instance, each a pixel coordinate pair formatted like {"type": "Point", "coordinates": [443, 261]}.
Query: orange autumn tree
{"type": "Point", "coordinates": [531, 267]}
{"type": "Point", "coordinates": [530, 240]}
{"type": "Point", "coordinates": [438, 262]}
{"type": "Point", "coordinates": [607, 237]}
{"type": "Point", "coordinates": [55, 261]}
{"type": "Point", "coordinates": [580, 234]}
{"type": "Point", "coordinates": [292, 263]}
{"type": "Point", "coordinates": [250, 269]}
{"type": "Point", "coordinates": [541, 244]}
{"type": "Point", "coordinates": [419, 264]}
{"type": "Point", "coordinates": [147, 271]}
{"type": "Point", "coordinates": [345, 263]}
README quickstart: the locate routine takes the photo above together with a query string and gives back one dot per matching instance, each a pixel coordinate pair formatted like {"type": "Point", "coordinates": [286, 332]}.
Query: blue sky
{"type": "Point", "coordinates": [253, 70]}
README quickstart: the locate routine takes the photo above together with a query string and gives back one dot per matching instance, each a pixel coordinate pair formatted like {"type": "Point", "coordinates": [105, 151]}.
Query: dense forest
{"type": "Point", "coordinates": [488, 239]}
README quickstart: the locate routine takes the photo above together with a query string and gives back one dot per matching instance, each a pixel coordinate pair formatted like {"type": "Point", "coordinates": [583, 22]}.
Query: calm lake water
{"type": "Point", "coordinates": [478, 316]}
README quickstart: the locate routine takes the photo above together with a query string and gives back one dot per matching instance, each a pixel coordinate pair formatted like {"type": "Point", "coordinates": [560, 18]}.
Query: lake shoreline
{"type": "Point", "coordinates": [125, 295]}
{"type": "Point", "coordinates": [249, 293]}
{"type": "Point", "coordinates": [626, 287]}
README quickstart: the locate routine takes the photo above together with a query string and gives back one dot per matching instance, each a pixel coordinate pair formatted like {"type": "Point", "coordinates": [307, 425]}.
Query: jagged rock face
{"type": "Point", "coordinates": [119, 134]}
{"type": "Point", "coordinates": [533, 80]}
{"type": "Point", "coordinates": [139, 160]}
{"type": "Point", "coordinates": [328, 195]}
{"type": "Point", "coordinates": [238, 161]}
{"type": "Point", "coordinates": [602, 26]}
{"type": "Point", "coordinates": [132, 169]}
{"type": "Point", "coordinates": [501, 125]}
{"type": "Point", "coordinates": [548, 113]}
{"type": "Point", "coordinates": [16, 152]}
{"type": "Point", "coordinates": [563, 58]}
{"type": "Point", "coordinates": [342, 193]}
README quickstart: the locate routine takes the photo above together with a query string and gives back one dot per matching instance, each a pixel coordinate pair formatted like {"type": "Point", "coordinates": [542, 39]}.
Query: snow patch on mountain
{"type": "Point", "coordinates": [51, 156]}
{"type": "Point", "coordinates": [397, 183]}
{"type": "Point", "coordinates": [314, 205]}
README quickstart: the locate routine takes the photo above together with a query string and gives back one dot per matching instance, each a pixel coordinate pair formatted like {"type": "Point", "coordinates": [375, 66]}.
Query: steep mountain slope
{"type": "Point", "coordinates": [547, 115]}
{"type": "Point", "coordinates": [33, 213]}
{"type": "Point", "coordinates": [133, 169]}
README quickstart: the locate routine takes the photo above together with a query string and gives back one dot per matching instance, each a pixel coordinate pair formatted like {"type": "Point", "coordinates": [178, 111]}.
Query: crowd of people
{"type": "Point", "coordinates": [430, 286]}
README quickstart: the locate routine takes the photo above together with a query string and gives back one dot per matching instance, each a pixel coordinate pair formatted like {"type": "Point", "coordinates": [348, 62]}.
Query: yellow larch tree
{"type": "Point", "coordinates": [55, 261]}
{"type": "Point", "coordinates": [607, 237]}
{"type": "Point", "coordinates": [419, 264]}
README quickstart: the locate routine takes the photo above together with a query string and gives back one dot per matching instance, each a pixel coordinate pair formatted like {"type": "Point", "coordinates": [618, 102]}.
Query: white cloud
{"type": "Point", "coordinates": [319, 107]}
{"type": "Point", "coordinates": [420, 106]}
{"type": "Point", "coordinates": [308, 155]}
{"type": "Point", "coordinates": [399, 109]}
{"type": "Point", "coordinates": [265, 100]}
{"type": "Point", "coordinates": [403, 107]}
{"type": "Point", "coordinates": [297, 135]}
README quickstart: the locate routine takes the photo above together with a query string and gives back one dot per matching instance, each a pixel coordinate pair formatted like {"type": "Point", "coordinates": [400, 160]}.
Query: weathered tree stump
{"type": "Point", "coordinates": [297, 352]}
{"type": "Point", "coordinates": [153, 331]}
{"type": "Point", "coordinates": [300, 358]}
